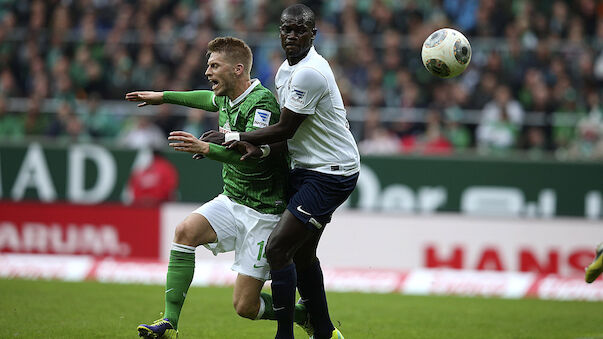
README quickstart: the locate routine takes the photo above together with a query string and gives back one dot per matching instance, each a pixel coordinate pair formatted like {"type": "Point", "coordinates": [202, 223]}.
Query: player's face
{"type": "Point", "coordinates": [220, 73]}
{"type": "Point", "coordinates": [296, 37]}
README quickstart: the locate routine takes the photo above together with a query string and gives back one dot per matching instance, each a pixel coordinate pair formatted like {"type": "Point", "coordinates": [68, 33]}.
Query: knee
{"type": "Point", "coordinates": [303, 263]}
{"type": "Point", "coordinates": [185, 234]}
{"type": "Point", "coordinates": [246, 308]}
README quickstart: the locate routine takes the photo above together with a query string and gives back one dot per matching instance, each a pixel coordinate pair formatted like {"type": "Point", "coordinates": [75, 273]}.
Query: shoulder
{"type": "Point", "coordinates": [261, 95]}
{"type": "Point", "coordinates": [262, 98]}
{"type": "Point", "coordinates": [308, 76]}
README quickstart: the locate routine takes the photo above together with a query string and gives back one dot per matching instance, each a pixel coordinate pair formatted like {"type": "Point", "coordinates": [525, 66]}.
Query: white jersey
{"type": "Point", "coordinates": [323, 142]}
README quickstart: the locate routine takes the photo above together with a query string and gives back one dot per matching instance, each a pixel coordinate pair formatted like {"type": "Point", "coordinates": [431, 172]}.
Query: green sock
{"type": "Point", "coordinates": [179, 277]}
{"type": "Point", "coordinates": [300, 315]}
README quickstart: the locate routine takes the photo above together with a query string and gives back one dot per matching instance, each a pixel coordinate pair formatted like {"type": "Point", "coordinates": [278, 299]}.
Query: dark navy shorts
{"type": "Point", "coordinates": [314, 196]}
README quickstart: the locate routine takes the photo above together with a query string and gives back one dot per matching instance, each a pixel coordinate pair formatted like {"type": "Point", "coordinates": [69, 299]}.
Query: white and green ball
{"type": "Point", "coordinates": [446, 53]}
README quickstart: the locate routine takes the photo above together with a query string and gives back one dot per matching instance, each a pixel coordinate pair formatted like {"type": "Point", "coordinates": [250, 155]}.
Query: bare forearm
{"type": "Point", "coordinates": [267, 135]}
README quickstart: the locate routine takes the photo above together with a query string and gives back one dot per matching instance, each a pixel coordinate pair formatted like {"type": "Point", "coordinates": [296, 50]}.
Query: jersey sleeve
{"type": "Point", "coordinates": [228, 156]}
{"type": "Point", "coordinates": [202, 99]}
{"type": "Point", "coordinates": [306, 88]}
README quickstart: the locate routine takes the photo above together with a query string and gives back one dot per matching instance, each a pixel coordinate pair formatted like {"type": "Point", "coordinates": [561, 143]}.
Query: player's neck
{"type": "Point", "coordinates": [240, 88]}
{"type": "Point", "coordinates": [294, 60]}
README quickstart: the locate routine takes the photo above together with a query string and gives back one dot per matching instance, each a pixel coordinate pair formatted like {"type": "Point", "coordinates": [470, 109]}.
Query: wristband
{"type": "Point", "coordinates": [265, 150]}
{"type": "Point", "coordinates": [232, 136]}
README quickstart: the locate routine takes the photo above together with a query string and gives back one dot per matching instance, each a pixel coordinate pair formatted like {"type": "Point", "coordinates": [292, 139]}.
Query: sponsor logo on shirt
{"type": "Point", "coordinates": [298, 96]}
{"type": "Point", "coordinates": [262, 118]}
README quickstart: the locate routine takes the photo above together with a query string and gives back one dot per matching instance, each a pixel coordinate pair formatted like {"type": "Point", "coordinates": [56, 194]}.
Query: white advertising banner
{"type": "Point", "coordinates": [354, 239]}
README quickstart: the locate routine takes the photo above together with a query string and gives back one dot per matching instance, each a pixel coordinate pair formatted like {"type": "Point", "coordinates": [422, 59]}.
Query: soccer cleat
{"type": "Point", "coordinates": [306, 325]}
{"type": "Point", "coordinates": [160, 329]}
{"type": "Point", "coordinates": [596, 267]}
{"type": "Point", "coordinates": [335, 335]}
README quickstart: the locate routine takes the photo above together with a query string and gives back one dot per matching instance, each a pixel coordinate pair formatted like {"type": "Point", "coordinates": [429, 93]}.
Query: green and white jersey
{"type": "Point", "coordinates": [261, 187]}
{"type": "Point", "coordinates": [259, 184]}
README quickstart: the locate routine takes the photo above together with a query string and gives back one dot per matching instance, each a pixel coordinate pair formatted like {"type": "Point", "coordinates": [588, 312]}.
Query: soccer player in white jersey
{"type": "Point", "coordinates": [325, 163]}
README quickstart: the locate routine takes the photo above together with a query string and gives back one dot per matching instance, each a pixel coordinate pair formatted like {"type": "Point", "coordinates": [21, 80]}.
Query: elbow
{"type": "Point", "coordinates": [289, 134]}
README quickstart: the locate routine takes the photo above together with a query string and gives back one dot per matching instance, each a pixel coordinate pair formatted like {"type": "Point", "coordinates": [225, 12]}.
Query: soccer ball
{"type": "Point", "coordinates": [446, 53]}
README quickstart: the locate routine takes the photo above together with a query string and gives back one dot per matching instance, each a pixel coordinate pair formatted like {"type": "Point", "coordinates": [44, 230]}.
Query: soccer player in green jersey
{"type": "Point", "coordinates": [244, 215]}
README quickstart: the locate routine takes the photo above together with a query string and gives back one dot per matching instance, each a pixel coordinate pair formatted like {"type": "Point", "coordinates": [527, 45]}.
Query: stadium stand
{"type": "Point", "coordinates": [534, 84]}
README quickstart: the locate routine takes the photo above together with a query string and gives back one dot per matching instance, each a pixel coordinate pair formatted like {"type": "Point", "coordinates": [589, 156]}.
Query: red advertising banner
{"type": "Point", "coordinates": [60, 228]}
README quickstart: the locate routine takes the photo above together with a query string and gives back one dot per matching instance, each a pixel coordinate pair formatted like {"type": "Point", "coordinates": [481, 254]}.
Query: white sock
{"type": "Point", "coordinates": [261, 310]}
{"type": "Point", "coordinates": [183, 248]}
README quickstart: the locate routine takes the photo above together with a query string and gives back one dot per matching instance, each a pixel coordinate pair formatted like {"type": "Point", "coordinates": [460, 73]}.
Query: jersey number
{"type": "Point", "coordinates": [261, 253]}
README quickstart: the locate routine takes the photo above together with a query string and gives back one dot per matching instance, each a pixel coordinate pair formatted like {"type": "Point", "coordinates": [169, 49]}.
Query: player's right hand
{"type": "Point", "coordinates": [185, 142]}
{"type": "Point", "coordinates": [146, 97]}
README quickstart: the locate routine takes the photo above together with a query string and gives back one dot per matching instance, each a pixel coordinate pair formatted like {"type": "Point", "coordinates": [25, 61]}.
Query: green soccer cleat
{"type": "Point", "coordinates": [335, 335]}
{"type": "Point", "coordinates": [596, 267]}
{"type": "Point", "coordinates": [160, 329]}
{"type": "Point", "coordinates": [306, 325]}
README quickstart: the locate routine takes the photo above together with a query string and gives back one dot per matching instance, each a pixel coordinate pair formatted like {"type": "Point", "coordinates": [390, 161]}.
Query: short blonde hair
{"type": "Point", "coordinates": [236, 50]}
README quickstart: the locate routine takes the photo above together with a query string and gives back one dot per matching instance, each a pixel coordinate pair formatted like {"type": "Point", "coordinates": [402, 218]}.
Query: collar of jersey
{"type": "Point", "coordinates": [254, 82]}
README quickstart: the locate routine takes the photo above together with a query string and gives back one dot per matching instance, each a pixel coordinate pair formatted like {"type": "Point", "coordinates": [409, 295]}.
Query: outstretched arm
{"type": "Point", "coordinates": [145, 98]}
{"type": "Point", "coordinates": [197, 99]}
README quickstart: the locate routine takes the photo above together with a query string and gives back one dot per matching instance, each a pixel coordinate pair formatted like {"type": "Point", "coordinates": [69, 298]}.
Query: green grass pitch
{"type": "Point", "coordinates": [43, 309]}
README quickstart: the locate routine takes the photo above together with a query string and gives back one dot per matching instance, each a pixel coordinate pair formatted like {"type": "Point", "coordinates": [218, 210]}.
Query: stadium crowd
{"type": "Point", "coordinates": [534, 82]}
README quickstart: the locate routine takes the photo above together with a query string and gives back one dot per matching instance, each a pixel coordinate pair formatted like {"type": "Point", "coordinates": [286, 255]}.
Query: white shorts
{"type": "Point", "coordinates": [243, 230]}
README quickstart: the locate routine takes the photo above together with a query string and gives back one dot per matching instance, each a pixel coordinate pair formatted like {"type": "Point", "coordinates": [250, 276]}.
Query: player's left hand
{"type": "Point", "coordinates": [214, 137]}
{"type": "Point", "coordinates": [187, 142]}
{"type": "Point", "coordinates": [247, 149]}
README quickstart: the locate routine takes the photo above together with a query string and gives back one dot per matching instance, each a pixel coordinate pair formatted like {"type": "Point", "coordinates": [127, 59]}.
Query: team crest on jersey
{"type": "Point", "coordinates": [262, 118]}
{"type": "Point", "coordinates": [298, 95]}
{"type": "Point", "coordinates": [225, 128]}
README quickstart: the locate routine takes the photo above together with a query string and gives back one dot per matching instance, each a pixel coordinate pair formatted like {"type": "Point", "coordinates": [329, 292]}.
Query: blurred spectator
{"type": "Point", "coordinates": [497, 135]}
{"type": "Point", "coordinates": [36, 124]}
{"type": "Point", "coordinates": [100, 121]}
{"type": "Point", "coordinates": [195, 123]}
{"type": "Point", "coordinates": [58, 126]}
{"type": "Point", "coordinates": [456, 133]}
{"type": "Point", "coordinates": [589, 133]}
{"type": "Point", "coordinates": [503, 107]}
{"type": "Point", "coordinates": [535, 143]}
{"type": "Point", "coordinates": [485, 90]}
{"type": "Point", "coordinates": [377, 139]}
{"type": "Point", "coordinates": [434, 141]}
{"type": "Point", "coordinates": [12, 125]}
{"type": "Point", "coordinates": [166, 120]}
{"type": "Point", "coordinates": [143, 133]}
{"type": "Point", "coordinates": [144, 69]}
{"type": "Point", "coordinates": [154, 184]}
{"type": "Point", "coordinates": [75, 131]}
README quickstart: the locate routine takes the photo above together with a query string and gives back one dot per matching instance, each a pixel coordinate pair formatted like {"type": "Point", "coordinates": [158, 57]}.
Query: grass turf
{"type": "Point", "coordinates": [43, 309]}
